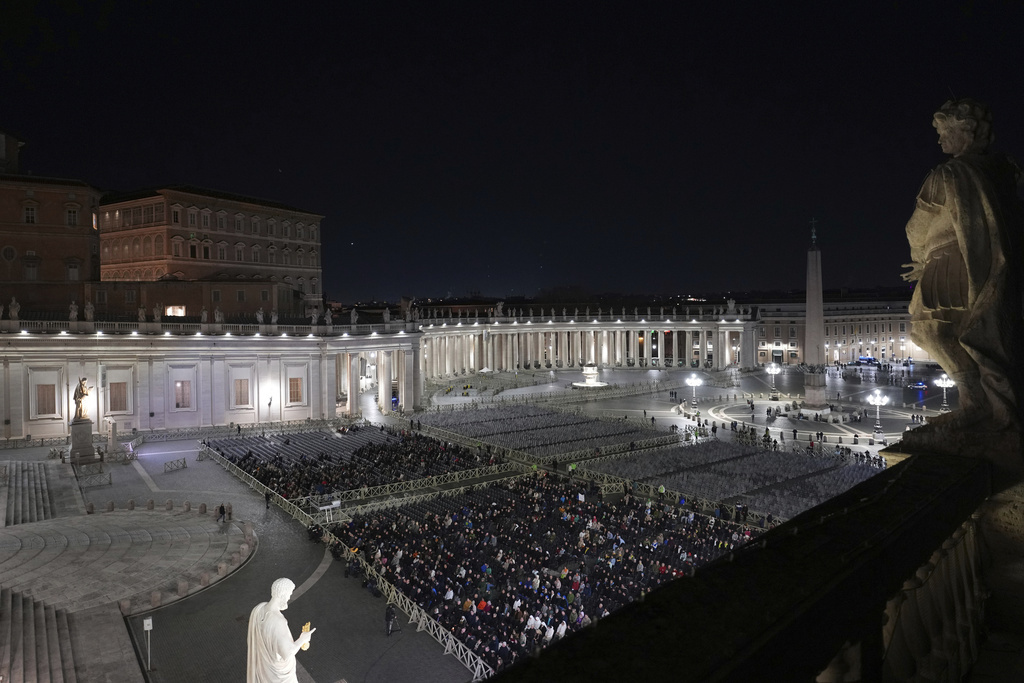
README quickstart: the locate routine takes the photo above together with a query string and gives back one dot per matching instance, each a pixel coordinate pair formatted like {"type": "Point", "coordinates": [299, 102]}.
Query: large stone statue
{"type": "Point", "coordinates": [353, 316]}
{"type": "Point", "coordinates": [218, 315]}
{"type": "Point", "coordinates": [259, 315]}
{"type": "Point", "coordinates": [81, 392]}
{"type": "Point", "coordinates": [272, 651]}
{"type": "Point", "coordinates": [966, 308]}
{"type": "Point", "coordinates": [328, 316]}
{"type": "Point", "coordinates": [203, 315]}
{"type": "Point", "coordinates": [142, 314]}
{"type": "Point", "coordinates": [90, 311]}
{"type": "Point", "coordinates": [73, 312]}
{"type": "Point", "coordinates": [387, 315]}
{"type": "Point", "coordinates": [14, 308]}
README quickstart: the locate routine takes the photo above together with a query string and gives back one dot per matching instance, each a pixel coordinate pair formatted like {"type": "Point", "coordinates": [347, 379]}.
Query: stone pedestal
{"type": "Point", "coordinates": [81, 441]}
{"type": "Point", "coordinates": [814, 390]}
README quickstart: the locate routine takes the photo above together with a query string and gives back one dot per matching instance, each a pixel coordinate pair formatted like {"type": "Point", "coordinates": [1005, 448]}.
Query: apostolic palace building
{"type": "Point", "coordinates": [188, 308]}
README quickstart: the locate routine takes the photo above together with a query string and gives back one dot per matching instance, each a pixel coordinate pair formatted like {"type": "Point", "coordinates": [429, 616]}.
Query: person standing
{"type": "Point", "coordinates": [390, 614]}
{"type": "Point", "coordinates": [222, 513]}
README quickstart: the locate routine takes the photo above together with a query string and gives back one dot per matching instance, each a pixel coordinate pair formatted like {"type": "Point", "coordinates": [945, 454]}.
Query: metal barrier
{"type": "Point", "coordinates": [172, 465]}
{"type": "Point", "coordinates": [3, 474]}
{"type": "Point", "coordinates": [95, 480]}
{"type": "Point", "coordinates": [92, 468]}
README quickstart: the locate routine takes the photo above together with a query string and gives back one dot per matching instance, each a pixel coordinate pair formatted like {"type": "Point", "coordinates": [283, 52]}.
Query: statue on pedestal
{"type": "Point", "coordinates": [271, 657]}
{"type": "Point", "coordinates": [353, 316]}
{"type": "Point", "coordinates": [142, 314]}
{"type": "Point", "coordinates": [964, 240]}
{"type": "Point", "coordinates": [218, 315]}
{"type": "Point", "coordinates": [203, 315]}
{"type": "Point", "coordinates": [14, 308]}
{"type": "Point", "coordinates": [328, 318]}
{"type": "Point", "coordinates": [90, 311]}
{"type": "Point", "coordinates": [273, 317]}
{"type": "Point", "coordinates": [259, 315]}
{"type": "Point", "coordinates": [387, 315]}
{"type": "Point", "coordinates": [156, 313]}
{"type": "Point", "coordinates": [73, 312]}
{"type": "Point", "coordinates": [81, 392]}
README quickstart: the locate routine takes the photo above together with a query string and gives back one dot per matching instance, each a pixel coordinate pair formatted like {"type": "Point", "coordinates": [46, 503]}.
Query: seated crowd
{"type": "Point", "coordinates": [393, 456]}
{"type": "Point", "coordinates": [513, 566]}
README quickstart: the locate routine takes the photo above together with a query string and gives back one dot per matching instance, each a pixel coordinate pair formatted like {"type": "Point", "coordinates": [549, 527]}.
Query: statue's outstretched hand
{"type": "Point", "coordinates": [305, 636]}
{"type": "Point", "coordinates": [915, 272]}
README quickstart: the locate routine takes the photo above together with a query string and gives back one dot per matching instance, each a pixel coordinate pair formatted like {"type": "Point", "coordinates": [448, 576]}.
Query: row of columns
{"type": "Point", "coordinates": [391, 370]}
{"type": "Point", "coordinates": [453, 353]}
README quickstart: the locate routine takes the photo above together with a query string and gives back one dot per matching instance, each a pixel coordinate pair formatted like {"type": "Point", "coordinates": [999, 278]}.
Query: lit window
{"type": "Point", "coordinates": [241, 392]}
{"type": "Point", "coordinates": [46, 399]}
{"type": "Point", "coordinates": [183, 394]}
{"type": "Point", "coordinates": [295, 390]}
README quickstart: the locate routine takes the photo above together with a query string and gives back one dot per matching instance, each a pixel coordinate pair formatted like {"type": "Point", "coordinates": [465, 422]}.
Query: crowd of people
{"type": "Point", "coordinates": [511, 567]}
{"type": "Point", "coordinates": [401, 455]}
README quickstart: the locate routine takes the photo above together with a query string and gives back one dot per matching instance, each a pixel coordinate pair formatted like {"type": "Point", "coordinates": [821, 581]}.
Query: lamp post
{"type": "Point", "coordinates": [774, 369]}
{"type": "Point", "coordinates": [945, 382]}
{"type": "Point", "coordinates": [878, 400]}
{"type": "Point", "coordinates": [694, 381]}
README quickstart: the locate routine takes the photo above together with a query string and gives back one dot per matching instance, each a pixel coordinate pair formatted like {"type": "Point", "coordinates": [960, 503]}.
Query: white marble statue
{"type": "Point", "coordinates": [387, 315]}
{"type": "Point", "coordinates": [328, 316]}
{"type": "Point", "coordinates": [14, 308]}
{"type": "Point", "coordinates": [272, 650]}
{"type": "Point", "coordinates": [313, 315]}
{"type": "Point", "coordinates": [90, 311]}
{"type": "Point", "coordinates": [218, 315]}
{"type": "Point", "coordinates": [353, 316]}
{"type": "Point", "coordinates": [259, 315]}
{"type": "Point", "coordinates": [73, 312]}
{"type": "Point", "coordinates": [142, 314]}
{"type": "Point", "coordinates": [203, 315]}
{"type": "Point", "coordinates": [273, 317]}
{"type": "Point", "coordinates": [156, 313]}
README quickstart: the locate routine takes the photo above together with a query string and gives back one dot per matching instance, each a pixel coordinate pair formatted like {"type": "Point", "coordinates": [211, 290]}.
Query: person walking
{"type": "Point", "coordinates": [266, 496]}
{"type": "Point", "coordinates": [222, 513]}
{"type": "Point", "coordinates": [389, 620]}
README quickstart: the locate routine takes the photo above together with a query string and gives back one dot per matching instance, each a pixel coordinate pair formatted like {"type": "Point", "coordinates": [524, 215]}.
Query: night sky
{"type": "Point", "coordinates": [508, 149]}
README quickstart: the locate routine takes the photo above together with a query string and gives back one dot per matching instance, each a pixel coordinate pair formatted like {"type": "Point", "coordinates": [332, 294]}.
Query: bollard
{"type": "Point", "coordinates": [187, 507]}
{"type": "Point", "coordinates": [126, 606]}
{"type": "Point", "coordinates": [204, 579]}
{"type": "Point", "coordinates": [131, 503]}
{"type": "Point", "coordinates": [150, 504]}
{"type": "Point", "coordinates": [182, 588]}
{"type": "Point", "coordinates": [89, 508]}
{"type": "Point", "coordinates": [236, 559]}
{"type": "Point", "coordinates": [244, 549]}
{"type": "Point", "coordinates": [222, 568]}
{"type": "Point", "coordinates": [110, 506]}
{"type": "Point", "coordinates": [154, 599]}
{"type": "Point", "coordinates": [228, 508]}
{"type": "Point", "coordinates": [202, 508]}
{"type": "Point", "coordinates": [169, 505]}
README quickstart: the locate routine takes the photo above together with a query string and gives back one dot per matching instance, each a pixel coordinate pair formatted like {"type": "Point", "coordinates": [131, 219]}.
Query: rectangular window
{"type": "Point", "coordinates": [71, 217]}
{"type": "Point", "coordinates": [175, 248]}
{"type": "Point", "coordinates": [147, 214]}
{"type": "Point", "coordinates": [117, 397]}
{"type": "Point", "coordinates": [215, 296]}
{"type": "Point", "coordinates": [31, 271]}
{"type": "Point", "coordinates": [240, 294]}
{"type": "Point", "coordinates": [206, 220]}
{"type": "Point", "coordinates": [46, 399]}
{"type": "Point", "coordinates": [778, 332]}
{"type": "Point", "coordinates": [903, 327]}
{"type": "Point", "coordinates": [760, 331]}
{"type": "Point", "coordinates": [193, 250]}
{"type": "Point", "coordinates": [158, 216]}
{"type": "Point", "coordinates": [222, 252]}
{"type": "Point", "coordinates": [264, 295]}
{"type": "Point", "coordinates": [241, 392]}
{"type": "Point", "coordinates": [295, 390]}
{"type": "Point", "coordinates": [191, 219]}
{"type": "Point", "coordinates": [176, 217]}
{"type": "Point", "coordinates": [30, 214]}
{"type": "Point", "coordinates": [221, 223]}
{"type": "Point", "coordinates": [792, 333]}
{"type": "Point", "coordinates": [238, 224]}
{"type": "Point", "coordinates": [101, 296]}
{"type": "Point", "coordinates": [206, 251]}
{"type": "Point", "coordinates": [255, 225]}
{"type": "Point", "coordinates": [129, 296]}
{"type": "Point", "coordinates": [183, 394]}
{"type": "Point", "coordinates": [239, 254]}
{"type": "Point", "coordinates": [72, 272]}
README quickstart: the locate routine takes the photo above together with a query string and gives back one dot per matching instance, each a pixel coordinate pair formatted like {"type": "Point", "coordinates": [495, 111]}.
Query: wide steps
{"type": "Point", "coordinates": [37, 491]}
{"type": "Point", "coordinates": [33, 646]}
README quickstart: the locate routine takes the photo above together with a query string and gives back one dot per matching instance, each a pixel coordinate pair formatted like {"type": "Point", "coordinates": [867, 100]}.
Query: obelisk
{"type": "Point", "coordinates": [814, 329]}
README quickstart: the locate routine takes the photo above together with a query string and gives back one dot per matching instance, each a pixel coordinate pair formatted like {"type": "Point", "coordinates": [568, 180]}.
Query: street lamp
{"type": "Point", "coordinates": [945, 382]}
{"type": "Point", "coordinates": [694, 381]}
{"type": "Point", "coordinates": [773, 370]}
{"type": "Point", "coordinates": [878, 400]}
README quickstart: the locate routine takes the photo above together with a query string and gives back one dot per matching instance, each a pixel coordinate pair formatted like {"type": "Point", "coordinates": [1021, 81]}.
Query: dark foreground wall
{"type": "Point", "coordinates": [783, 607]}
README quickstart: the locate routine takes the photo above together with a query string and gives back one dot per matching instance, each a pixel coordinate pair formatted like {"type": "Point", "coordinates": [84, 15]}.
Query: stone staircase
{"type": "Point", "coordinates": [36, 491]}
{"type": "Point", "coordinates": [35, 641]}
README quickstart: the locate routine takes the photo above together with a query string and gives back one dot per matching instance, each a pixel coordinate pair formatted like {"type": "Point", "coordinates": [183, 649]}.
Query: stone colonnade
{"type": "Point", "coordinates": [453, 350]}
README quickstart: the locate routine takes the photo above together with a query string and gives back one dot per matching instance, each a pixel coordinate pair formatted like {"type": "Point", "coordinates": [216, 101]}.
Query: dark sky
{"type": "Point", "coordinates": [508, 148]}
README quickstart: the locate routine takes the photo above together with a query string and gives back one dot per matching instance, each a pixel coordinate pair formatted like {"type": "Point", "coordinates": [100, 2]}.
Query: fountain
{"type": "Point", "coordinates": [590, 380]}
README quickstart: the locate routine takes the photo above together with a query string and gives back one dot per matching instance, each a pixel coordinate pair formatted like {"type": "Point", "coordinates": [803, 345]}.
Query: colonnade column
{"type": "Point", "coordinates": [675, 347]}
{"type": "Point", "coordinates": [384, 381]}
{"type": "Point", "coordinates": [353, 385]}
{"type": "Point", "coordinates": [406, 381]}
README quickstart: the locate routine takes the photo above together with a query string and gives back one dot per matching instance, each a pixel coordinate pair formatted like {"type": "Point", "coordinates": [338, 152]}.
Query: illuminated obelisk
{"type": "Point", "coordinates": [814, 330]}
